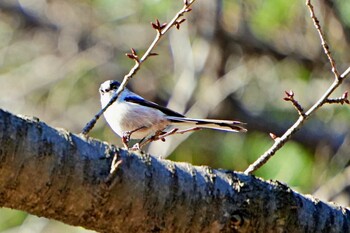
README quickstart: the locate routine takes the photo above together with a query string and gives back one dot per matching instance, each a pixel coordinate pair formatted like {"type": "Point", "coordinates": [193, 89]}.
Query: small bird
{"type": "Point", "coordinates": [133, 117]}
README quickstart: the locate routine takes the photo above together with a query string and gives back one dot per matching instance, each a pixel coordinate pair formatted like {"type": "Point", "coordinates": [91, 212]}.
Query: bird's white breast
{"type": "Point", "coordinates": [125, 116]}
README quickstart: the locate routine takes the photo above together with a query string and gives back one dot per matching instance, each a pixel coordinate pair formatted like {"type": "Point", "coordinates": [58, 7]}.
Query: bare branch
{"type": "Point", "coordinates": [161, 29]}
{"type": "Point", "coordinates": [133, 56]}
{"type": "Point", "coordinates": [63, 176]}
{"type": "Point", "coordinates": [322, 37]}
{"type": "Point", "coordinates": [279, 142]}
{"type": "Point", "coordinates": [290, 97]}
{"type": "Point", "coordinates": [341, 100]}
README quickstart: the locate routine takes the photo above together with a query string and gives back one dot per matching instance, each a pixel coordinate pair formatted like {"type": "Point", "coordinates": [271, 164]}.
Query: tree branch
{"type": "Point", "coordinates": [161, 30]}
{"type": "Point", "coordinates": [322, 37]}
{"type": "Point", "coordinates": [279, 142]}
{"type": "Point", "coordinates": [59, 175]}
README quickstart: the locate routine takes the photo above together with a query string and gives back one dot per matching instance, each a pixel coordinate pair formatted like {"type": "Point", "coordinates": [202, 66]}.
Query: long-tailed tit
{"type": "Point", "coordinates": [133, 117]}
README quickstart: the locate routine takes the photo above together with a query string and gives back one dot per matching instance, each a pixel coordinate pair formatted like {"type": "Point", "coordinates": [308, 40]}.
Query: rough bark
{"type": "Point", "coordinates": [53, 173]}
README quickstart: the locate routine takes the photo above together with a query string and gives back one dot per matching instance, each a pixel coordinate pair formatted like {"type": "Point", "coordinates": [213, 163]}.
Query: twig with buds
{"type": "Point", "coordinates": [341, 100]}
{"type": "Point", "coordinates": [161, 30]}
{"type": "Point", "coordinates": [290, 97]}
{"type": "Point", "coordinates": [303, 116]}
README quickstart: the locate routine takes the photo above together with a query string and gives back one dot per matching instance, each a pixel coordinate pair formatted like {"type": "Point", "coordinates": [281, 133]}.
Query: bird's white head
{"type": "Point", "coordinates": [109, 86]}
{"type": "Point", "coordinates": [107, 89]}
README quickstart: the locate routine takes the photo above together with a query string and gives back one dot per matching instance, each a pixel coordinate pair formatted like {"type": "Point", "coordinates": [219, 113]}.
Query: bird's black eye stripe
{"type": "Point", "coordinates": [114, 85]}
{"type": "Point", "coordinates": [107, 88]}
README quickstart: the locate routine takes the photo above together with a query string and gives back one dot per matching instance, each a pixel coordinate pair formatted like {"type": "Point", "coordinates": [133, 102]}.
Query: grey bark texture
{"type": "Point", "coordinates": [53, 173]}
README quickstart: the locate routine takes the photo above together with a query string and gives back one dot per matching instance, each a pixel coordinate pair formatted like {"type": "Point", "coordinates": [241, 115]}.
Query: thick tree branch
{"type": "Point", "coordinates": [59, 175]}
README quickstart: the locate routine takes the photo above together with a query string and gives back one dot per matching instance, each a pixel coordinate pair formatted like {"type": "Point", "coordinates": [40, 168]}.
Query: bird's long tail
{"type": "Point", "coordinates": [225, 125]}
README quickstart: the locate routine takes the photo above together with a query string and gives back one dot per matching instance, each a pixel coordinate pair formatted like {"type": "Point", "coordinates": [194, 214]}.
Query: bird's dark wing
{"type": "Point", "coordinates": [143, 102]}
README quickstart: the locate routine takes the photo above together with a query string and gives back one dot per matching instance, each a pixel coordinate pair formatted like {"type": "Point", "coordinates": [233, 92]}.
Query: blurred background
{"type": "Point", "coordinates": [229, 60]}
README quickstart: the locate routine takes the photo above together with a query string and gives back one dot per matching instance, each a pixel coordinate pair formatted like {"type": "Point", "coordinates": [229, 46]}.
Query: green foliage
{"type": "Point", "coordinates": [10, 218]}
{"type": "Point", "coordinates": [270, 17]}
{"type": "Point", "coordinates": [291, 165]}
{"type": "Point", "coordinates": [344, 7]}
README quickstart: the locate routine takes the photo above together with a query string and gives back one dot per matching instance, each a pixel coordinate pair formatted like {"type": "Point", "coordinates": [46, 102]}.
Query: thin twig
{"type": "Point", "coordinates": [162, 137]}
{"type": "Point", "coordinates": [280, 141]}
{"type": "Point", "coordinates": [322, 37]}
{"type": "Point", "coordinates": [341, 100]}
{"type": "Point", "coordinates": [174, 22]}
{"type": "Point", "coordinates": [297, 106]}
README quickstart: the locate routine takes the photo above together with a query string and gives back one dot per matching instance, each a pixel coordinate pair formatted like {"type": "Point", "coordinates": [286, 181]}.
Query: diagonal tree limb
{"type": "Point", "coordinates": [279, 142]}
{"type": "Point", "coordinates": [297, 125]}
{"type": "Point", "coordinates": [63, 176]}
{"type": "Point", "coordinates": [161, 31]}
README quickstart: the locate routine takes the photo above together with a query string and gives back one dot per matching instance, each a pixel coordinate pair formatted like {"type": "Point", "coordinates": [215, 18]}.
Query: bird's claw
{"type": "Point", "coordinates": [135, 147]}
{"type": "Point", "coordinates": [126, 139]}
